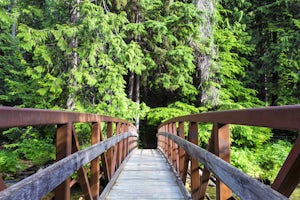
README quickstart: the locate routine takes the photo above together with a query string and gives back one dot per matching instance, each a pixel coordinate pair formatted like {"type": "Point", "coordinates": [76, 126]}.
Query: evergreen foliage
{"type": "Point", "coordinates": [142, 60]}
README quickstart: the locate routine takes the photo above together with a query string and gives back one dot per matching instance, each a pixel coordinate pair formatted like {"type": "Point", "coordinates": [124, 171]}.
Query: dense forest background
{"type": "Point", "coordinates": [150, 60]}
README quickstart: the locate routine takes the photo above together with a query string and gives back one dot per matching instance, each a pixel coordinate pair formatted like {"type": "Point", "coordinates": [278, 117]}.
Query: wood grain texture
{"type": "Point", "coordinates": [18, 117]}
{"type": "Point", "coordinates": [241, 184]}
{"type": "Point", "coordinates": [265, 117]}
{"type": "Point", "coordinates": [44, 181]}
{"type": "Point", "coordinates": [146, 175]}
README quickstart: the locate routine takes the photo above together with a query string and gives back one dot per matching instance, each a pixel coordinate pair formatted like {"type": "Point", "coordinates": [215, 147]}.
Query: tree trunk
{"type": "Point", "coordinates": [209, 93]}
{"type": "Point", "coordinates": [131, 85]}
{"type": "Point", "coordinates": [74, 61]}
{"type": "Point", "coordinates": [14, 26]}
{"type": "Point", "coordinates": [137, 100]}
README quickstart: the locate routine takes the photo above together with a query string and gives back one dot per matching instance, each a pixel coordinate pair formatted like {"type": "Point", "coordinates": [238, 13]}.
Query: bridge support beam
{"type": "Point", "coordinates": [221, 141]}
{"type": "Point", "coordinates": [180, 133]}
{"type": "Point", "coordinates": [63, 149]}
{"type": "Point", "coordinates": [110, 151]}
{"type": "Point", "coordinates": [195, 176]}
{"type": "Point", "coordinates": [288, 177]}
{"type": "Point", "coordinates": [2, 185]}
{"type": "Point", "coordinates": [95, 164]}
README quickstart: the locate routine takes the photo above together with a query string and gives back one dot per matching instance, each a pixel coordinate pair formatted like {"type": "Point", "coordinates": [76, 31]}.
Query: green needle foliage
{"type": "Point", "coordinates": [150, 60]}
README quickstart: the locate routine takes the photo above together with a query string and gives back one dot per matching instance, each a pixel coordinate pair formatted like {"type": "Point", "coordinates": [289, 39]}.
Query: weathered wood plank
{"type": "Point", "coordinates": [63, 149]}
{"type": "Point", "coordinates": [264, 117]}
{"type": "Point", "coordinates": [243, 185]}
{"type": "Point", "coordinates": [95, 166]}
{"type": "Point", "coordinates": [17, 117]}
{"type": "Point", "coordinates": [146, 175]}
{"type": "Point", "coordinates": [34, 187]}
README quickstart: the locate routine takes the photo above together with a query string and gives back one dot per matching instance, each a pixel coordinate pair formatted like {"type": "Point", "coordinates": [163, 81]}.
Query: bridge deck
{"type": "Point", "coordinates": [146, 175]}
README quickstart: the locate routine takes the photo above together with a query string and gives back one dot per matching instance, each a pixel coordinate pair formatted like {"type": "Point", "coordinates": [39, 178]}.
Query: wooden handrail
{"type": "Point", "coordinates": [278, 117]}
{"type": "Point", "coordinates": [18, 117]}
{"type": "Point", "coordinates": [281, 117]}
{"type": "Point", "coordinates": [241, 184]}
{"type": "Point", "coordinates": [68, 155]}
{"type": "Point", "coordinates": [44, 181]}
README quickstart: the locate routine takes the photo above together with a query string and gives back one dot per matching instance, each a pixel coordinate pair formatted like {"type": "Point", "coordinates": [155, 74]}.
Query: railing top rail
{"type": "Point", "coordinates": [31, 187]}
{"type": "Point", "coordinates": [242, 184]}
{"type": "Point", "coordinates": [264, 117]}
{"type": "Point", "coordinates": [17, 117]}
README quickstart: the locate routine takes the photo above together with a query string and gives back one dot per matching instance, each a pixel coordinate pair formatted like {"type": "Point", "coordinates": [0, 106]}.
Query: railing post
{"type": "Point", "coordinates": [195, 176]}
{"type": "Point", "coordinates": [206, 173]}
{"type": "Point", "coordinates": [63, 149]}
{"type": "Point", "coordinates": [2, 185]}
{"type": "Point", "coordinates": [181, 151]}
{"type": "Point", "coordinates": [104, 163]}
{"type": "Point", "coordinates": [170, 144]}
{"type": "Point", "coordinates": [121, 149]}
{"type": "Point", "coordinates": [115, 152]}
{"type": "Point", "coordinates": [110, 150]}
{"type": "Point", "coordinates": [125, 143]}
{"type": "Point", "coordinates": [95, 164]}
{"type": "Point", "coordinates": [221, 139]}
{"type": "Point", "coordinates": [175, 149]}
{"type": "Point", "coordinates": [118, 146]}
{"type": "Point", "coordinates": [166, 141]}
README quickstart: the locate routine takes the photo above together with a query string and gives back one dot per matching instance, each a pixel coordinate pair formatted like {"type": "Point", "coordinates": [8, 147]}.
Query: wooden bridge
{"type": "Point", "coordinates": [131, 173]}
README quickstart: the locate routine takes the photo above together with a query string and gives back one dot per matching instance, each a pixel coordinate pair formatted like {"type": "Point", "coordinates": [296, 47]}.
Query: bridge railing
{"type": "Point", "coordinates": [180, 150]}
{"type": "Point", "coordinates": [121, 140]}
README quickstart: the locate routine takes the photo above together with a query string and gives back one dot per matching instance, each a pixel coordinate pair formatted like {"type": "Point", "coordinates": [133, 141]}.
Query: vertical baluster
{"type": "Point", "coordinates": [166, 141]}
{"type": "Point", "coordinates": [106, 171]}
{"type": "Point", "coordinates": [163, 147]}
{"type": "Point", "coordinates": [129, 141]}
{"type": "Point", "coordinates": [118, 152]}
{"type": "Point", "coordinates": [171, 144]}
{"type": "Point", "coordinates": [125, 152]}
{"type": "Point", "coordinates": [175, 147]}
{"type": "Point", "coordinates": [221, 139]}
{"type": "Point", "coordinates": [95, 164]}
{"type": "Point", "coordinates": [2, 185]}
{"type": "Point", "coordinates": [181, 151]}
{"type": "Point", "coordinates": [206, 173]}
{"type": "Point", "coordinates": [115, 152]}
{"type": "Point", "coordinates": [110, 150]}
{"type": "Point", "coordinates": [63, 149]}
{"type": "Point", "coordinates": [195, 176]}
{"type": "Point", "coordinates": [120, 159]}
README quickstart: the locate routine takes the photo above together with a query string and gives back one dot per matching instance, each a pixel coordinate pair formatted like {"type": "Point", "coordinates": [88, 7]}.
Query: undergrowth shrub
{"type": "Point", "coordinates": [9, 162]}
{"type": "Point", "coordinates": [262, 163]}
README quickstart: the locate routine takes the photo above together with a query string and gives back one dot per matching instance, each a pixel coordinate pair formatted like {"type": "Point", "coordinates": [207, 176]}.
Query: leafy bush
{"type": "Point", "coordinates": [262, 163]}
{"type": "Point", "coordinates": [157, 115]}
{"type": "Point", "coordinates": [271, 157]}
{"type": "Point", "coordinates": [246, 160]}
{"type": "Point", "coordinates": [9, 162]}
{"type": "Point", "coordinates": [247, 136]}
{"type": "Point", "coordinates": [31, 143]}
{"type": "Point", "coordinates": [36, 150]}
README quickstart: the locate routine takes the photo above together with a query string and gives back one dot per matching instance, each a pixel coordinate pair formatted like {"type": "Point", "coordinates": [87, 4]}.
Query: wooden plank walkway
{"type": "Point", "coordinates": [146, 175]}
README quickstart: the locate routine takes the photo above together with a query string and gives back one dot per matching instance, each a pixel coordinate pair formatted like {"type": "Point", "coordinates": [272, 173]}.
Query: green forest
{"type": "Point", "coordinates": [147, 61]}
